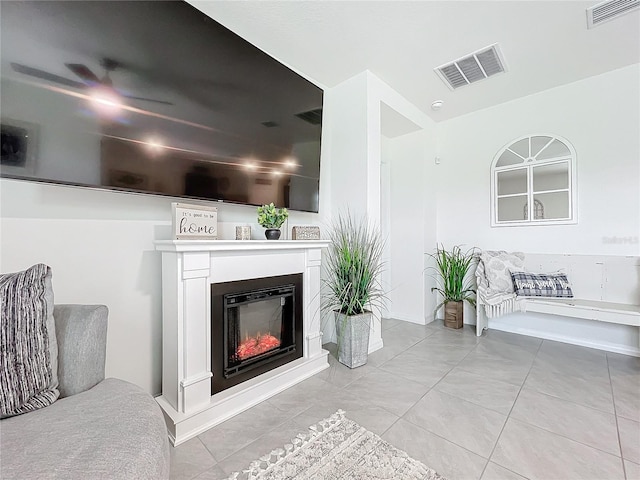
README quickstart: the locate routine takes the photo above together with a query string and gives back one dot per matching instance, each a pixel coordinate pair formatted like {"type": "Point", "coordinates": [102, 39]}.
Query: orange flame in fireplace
{"type": "Point", "coordinates": [252, 346]}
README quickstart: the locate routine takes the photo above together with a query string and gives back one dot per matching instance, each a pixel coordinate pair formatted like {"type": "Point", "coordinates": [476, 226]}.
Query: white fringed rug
{"type": "Point", "coordinates": [337, 449]}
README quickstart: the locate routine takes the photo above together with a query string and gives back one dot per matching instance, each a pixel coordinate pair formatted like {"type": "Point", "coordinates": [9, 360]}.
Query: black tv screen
{"type": "Point", "coordinates": [154, 97]}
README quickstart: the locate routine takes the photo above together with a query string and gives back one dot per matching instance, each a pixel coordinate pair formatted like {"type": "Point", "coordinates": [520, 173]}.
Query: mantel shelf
{"type": "Point", "coordinates": [237, 245]}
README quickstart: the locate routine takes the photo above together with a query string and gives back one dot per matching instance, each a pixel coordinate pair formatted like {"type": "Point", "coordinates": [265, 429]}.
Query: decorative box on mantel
{"type": "Point", "coordinates": [192, 272]}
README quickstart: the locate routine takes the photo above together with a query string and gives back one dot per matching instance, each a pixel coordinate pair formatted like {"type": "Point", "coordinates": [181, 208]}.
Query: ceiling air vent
{"type": "Point", "coordinates": [605, 11]}
{"type": "Point", "coordinates": [472, 68]}
{"type": "Point", "coordinates": [314, 117]}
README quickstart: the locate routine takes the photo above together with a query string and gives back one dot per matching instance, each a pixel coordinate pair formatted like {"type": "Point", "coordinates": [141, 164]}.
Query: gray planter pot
{"type": "Point", "coordinates": [353, 338]}
{"type": "Point", "coordinates": [272, 233]}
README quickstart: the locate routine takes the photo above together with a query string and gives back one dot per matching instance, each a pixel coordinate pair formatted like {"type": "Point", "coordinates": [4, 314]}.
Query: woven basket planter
{"type": "Point", "coordinates": [453, 312]}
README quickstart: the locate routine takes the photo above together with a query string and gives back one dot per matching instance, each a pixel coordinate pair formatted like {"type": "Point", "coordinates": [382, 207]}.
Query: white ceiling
{"type": "Point", "coordinates": [545, 43]}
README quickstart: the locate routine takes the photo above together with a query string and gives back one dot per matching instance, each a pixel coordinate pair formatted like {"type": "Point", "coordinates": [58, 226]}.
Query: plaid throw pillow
{"type": "Point", "coordinates": [541, 285]}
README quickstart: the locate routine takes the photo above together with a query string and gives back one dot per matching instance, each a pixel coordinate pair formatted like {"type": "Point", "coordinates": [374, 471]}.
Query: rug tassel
{"type": "Point", "coordinates": [256, 468]}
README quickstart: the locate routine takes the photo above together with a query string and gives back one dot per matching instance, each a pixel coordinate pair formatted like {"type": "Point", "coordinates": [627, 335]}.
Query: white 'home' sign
{"type": "Point", "coordinates": [194, 222]}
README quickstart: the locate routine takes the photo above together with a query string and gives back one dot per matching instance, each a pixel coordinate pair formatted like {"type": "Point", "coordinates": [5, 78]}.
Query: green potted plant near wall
{"type": "Point", "coordinates": [272, 219]}
{"type": "Point", "coordinates": [452, 268]}
{"type": "Point", "coordinates": [352, 285]}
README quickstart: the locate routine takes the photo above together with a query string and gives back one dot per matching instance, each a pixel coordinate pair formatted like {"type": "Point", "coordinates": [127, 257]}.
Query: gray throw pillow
{"type": "Point", "coordinates": [28, 346]}
{"type": "Point", "coordinates": [528, 284]}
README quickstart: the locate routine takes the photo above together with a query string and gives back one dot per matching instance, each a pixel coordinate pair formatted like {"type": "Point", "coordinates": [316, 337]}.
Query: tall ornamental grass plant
{"type": "Point", "coordinates": [452, 268]}
{"type": "Point", "coordinates": [353, 267]}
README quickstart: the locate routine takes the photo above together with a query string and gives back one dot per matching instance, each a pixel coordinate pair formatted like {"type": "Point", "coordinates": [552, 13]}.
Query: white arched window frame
{"type": "Point", "coordinates": [523, 160]}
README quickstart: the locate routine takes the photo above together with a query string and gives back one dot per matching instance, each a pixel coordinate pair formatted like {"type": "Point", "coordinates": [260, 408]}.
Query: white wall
{"type": "Point", "coordinates": [346, 141]}
{"type": "Point", "coordinates": [600, 117]}
{"type": "Point", "coordinates": [386, 179]}
{"type": "Point", "coordinates": [385, 219]}
{"type": "Point", "coordinates": [100, 247]}
{"type": "Point", "coordinates": [407, 202]}
{"type": "Point", "coordinates": [412, 209]}
{"type": "Point", "coordinates": [346, 106]}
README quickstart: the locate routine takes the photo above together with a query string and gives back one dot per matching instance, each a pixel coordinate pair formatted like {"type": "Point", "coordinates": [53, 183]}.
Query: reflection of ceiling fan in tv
{"type": "Point", "coordinates": [89, 79]}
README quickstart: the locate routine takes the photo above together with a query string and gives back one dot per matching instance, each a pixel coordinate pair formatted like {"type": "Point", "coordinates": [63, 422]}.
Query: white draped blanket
{"type": "Point", "coordinates": [495, 287]}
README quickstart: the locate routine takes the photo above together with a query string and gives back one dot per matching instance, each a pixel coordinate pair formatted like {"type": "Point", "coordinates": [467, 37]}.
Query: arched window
{"type": "Point", "coordinates": [533, 181]}
{"type": "Point", "coordinates": [538, 210]}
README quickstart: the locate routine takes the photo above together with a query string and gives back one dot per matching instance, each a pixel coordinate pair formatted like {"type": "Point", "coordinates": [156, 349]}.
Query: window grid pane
{"type": "Point", "coordinates": [538, 186]}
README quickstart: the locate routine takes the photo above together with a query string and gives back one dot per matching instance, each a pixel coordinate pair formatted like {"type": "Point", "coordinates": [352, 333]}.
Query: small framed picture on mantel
{"type": "Point", "coordinates": [194, 222]}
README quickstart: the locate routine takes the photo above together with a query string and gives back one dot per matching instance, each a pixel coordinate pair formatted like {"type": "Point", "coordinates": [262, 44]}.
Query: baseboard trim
{"type": "Point", "coordinates": [608, 347]}
{"type": "Point", "coordinates": [377, 345]}
{"type": "Point", "coordinates": [404, 318]}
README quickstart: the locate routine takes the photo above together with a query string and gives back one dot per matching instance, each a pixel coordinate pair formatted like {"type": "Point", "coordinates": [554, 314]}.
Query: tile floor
{"type": "Point", "coordinates": [503, 406]}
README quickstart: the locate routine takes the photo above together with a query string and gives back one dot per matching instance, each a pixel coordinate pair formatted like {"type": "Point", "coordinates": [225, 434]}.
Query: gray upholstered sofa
{"type": "Point", "coordinates": [98, 429]}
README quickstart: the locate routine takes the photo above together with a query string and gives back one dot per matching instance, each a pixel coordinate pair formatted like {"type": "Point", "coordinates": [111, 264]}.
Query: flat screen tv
{"type": "Point", "coordinates": [153, 97]}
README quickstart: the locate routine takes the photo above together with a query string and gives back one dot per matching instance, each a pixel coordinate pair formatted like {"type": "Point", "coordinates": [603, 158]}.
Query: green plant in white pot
{"type": "Point", "coordinates": [272, 219]}
{"type": "Point", "coordinates": [454, 285]}
{"type": "Point", "coordinates": [352, 285]}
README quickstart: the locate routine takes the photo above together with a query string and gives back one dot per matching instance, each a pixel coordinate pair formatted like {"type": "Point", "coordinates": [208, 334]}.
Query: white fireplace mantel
{"type": "Point", "coordinates": [189, 267]}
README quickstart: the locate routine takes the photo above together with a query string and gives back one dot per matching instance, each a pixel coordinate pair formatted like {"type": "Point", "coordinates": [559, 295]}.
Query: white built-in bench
{"type": "Point", "coordinates": [604, 314]}
{"type": "Point", "coordinates": [587, 309]}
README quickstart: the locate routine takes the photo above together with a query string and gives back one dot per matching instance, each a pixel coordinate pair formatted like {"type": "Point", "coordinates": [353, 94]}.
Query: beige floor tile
{"type": "Point", "coordinates": [261, 446]}
{"type": "Point", "coordinates": [632, 470]}
{"type": "Point", "coordinates": [577, 422]}
{"type": "Point", "coordinates": [463, 423]}
{"type": "Point", "coordinates": [625, 380]}
{"type": "Point", "coordinates": [439, 355]}
{"type": "Point", "coordinates": [371, 417]}
{"type": "Point", "coordinates": [296, 399]}
{"type": "Point", "coordinates": [480, 390]}
{"type": "Point", "coordinates": [340, 375]}
{"type": "Point", "coordinates": [448, 459]}
{"type": "Point", "coordinates": [566, 353]}
{"type": "Point", "coordinates": [189, 460]}
{"type": "Point", "coordinates": [387, 323]}
{"type": "Point", "coordinates": [215, 473]}
{"type": "Point", "coordinates": [541, 455]}
{"type": "Point", "coordinates": [592, 392]}
{"type": "Point", "coordinates": [410, 330]}
{"type": "Point", "coordinates": [629, 439]}
{"type": "Point", "coordinates": [496, 472]}
{"type": "Point", "coordinates": [507, 363]}
{"type": "Point", "coordinates": [414, 368]}
{"type": "Point", "coordinates": [530, 344]}
{"type": "Point", "coordinates": [463, 337]}
{"type": "Point", "coordinates": [453, 391]}
{"type": "Point", "coordinates": [387, 391]}
{"type": "Point", "coordinates": [234, 434]}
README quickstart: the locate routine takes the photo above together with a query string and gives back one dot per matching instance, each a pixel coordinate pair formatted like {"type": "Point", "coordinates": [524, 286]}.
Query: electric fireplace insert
{"type": "Point", "coordinates": [256, 327]}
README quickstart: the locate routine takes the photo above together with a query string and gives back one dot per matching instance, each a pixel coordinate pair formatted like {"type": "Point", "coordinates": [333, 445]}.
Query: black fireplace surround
{"type": "Point", "coordinates": [256, 326]}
